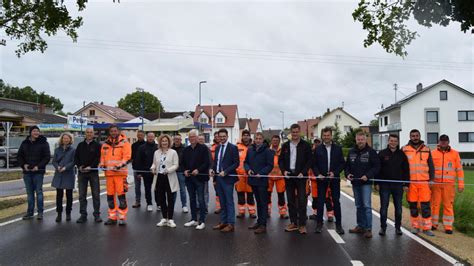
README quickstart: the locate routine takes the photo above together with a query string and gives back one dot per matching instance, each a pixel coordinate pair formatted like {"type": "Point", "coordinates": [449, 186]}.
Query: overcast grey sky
{"type": "Point", "coordinates": [299, 57]}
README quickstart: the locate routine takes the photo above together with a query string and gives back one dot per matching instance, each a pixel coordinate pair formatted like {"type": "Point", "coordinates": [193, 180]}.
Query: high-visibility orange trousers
{"type": "Point", "coordinates": [116, 188]}
{"type": "Point", "coordinates": [279, 183]}
{"type": "Point", "coordinates": [419, 196]}
{"type": "Point", "coordinates": [245, 198]}
{"type": "Point", "coordinates": [443, 193]}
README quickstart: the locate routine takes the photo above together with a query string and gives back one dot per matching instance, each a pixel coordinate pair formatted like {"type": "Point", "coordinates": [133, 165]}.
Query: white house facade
{"type": "Point", "coordinates": [345, 122]}
{"type": "Point", "coordinates": [441, 108]}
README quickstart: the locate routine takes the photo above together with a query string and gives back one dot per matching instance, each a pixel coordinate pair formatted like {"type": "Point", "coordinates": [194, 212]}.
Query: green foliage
{"type": "Point", "coordinates": [337, 134]}
{"type": "Point", "coordinates": [464, 206]}
{"type": "Point", "coordinates": [30, 95]}
{"type": "Point", "coordinates": [374, 123]}
{"type": "Point", "coordinates": [132, 103]}
{"type": "Point", "coordinates": [385, 21]}
{"type": "Point", "coordinates": [349, 139]}
{"type": "Point", "coordinates": [30, 21]}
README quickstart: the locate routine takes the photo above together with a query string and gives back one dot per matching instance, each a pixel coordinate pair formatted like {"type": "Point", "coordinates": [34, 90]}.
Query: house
{"type": "Point", "coordinates": [25, 114]}
{"type": "Point", "coordinates": [167, 115]}
{"type": "Point", "coordinates": [372, 136]}
{"type": "Point", "coordinates": [99, 113]}
{"type": "Point", "coordinates": [440, 108]}
{"type": "Point", "coordinates": [255, 125]}
{"type": "Point", "coordinates": [269, 133]}
{"type": "Point", "coordinates": [345, 122]}
{"type": "Point", "coordinates": [211, 118]}
{"type": "Point", "coordinates": [243, 125]}
{"type": "Point", "coordinates": [307, 127]}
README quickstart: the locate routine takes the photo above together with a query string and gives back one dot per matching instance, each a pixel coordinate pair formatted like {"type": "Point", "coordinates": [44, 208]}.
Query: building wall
{"type": "Point", "coordinates": [99, 117]}
{"type": "Point", "coordinates": [413, 115]}
{"type": "Point", "coordinates": [329, 121]}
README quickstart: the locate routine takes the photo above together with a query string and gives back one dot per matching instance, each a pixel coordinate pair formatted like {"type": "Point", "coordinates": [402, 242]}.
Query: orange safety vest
{"type": "Point", "coordinates": [276, 168]}
{"type": "Point", "coordinates": [242, 155]}
{"type": "Point", "coordinates": [418, 161]}
{"type": "Point", "coordinates": [116, 153]}
{"type": "Point", "coordinates": [448, 166]}
{"type": "Point", "coordinates": [213, 151]}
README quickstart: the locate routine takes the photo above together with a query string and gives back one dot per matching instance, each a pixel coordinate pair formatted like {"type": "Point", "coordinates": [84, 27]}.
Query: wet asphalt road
{"type": "Point", "coordinates": [142, 243]}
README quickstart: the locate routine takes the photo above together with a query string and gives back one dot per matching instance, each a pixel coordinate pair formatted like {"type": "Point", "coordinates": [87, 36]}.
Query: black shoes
{"type": "Point", "coordinates": [27, 217]}
{"type": "Point", "coordinates": [382, 231]}
{"type": "Point", "coordinates": [82, 219]}
{"type": "Point", "coordinates": [110, 222]}
{"type": "Point", "coordinates": [59, 218]}
{"type": "Point", "coordinates": [39, 217]}
{"type": "Point", "coordinates": [398, 231]}
{"type": "Point", "coordinates": [319, 228]}
{"type": "Point", "coordinates": [339, 230]}
{"type": "Point", "coordinates": [97, 219]}
{"type": "Point", "coordinates": [68, 217]}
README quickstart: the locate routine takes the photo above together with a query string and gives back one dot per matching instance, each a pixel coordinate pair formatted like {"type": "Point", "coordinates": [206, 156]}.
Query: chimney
{"type": "Point", "coordinates": [219, 105]}
{"type": "Point", "coordinates": [419, 87]}
{"type": "Point", "coordinates": [328, 110]}
{"type": "Point", "coordinates": [101, 103]}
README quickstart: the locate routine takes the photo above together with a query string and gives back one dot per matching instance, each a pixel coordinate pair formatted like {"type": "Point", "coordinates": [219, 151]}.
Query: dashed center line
{"type": "Point", "coordinates": [336, 236]}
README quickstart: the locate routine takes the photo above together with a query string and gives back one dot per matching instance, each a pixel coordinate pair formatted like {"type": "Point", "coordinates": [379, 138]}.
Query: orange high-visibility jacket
{"type": "Point", "coordinates": [448, 166]}
{"type": "Point", "coordinates": [213, 151]}
{"type": "Point", "coordinates": [421, 162]}
{"type": "Point", "coordinates": [276, 168]}
{"type": "Point", "coordinates": [242, 155]}
{"type": "Point", "coordinates": [116, 152]}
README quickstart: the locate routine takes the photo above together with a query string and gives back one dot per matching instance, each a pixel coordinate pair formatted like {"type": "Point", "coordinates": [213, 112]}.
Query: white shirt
{"type": "Point", "coordinates": [328, 148]}
{"type": "Point", "coordinates": [221, 151]}
{"type": "Point", "coordinates": [293, 152]}
{"type": "Point", "coordinates": [162, 167]}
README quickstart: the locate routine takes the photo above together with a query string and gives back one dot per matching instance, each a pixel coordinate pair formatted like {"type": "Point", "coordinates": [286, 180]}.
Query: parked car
{"type": "Point", "coordinates": [13, 157]}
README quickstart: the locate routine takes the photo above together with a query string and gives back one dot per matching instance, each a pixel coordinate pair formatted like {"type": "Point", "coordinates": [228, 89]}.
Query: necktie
{"type": "Point", "coordinates": [220, 157]}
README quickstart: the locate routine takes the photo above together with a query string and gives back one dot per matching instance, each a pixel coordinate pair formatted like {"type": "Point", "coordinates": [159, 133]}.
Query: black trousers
{"type": "Point", "coordinates": [147, 182]}
{"type": "Point", "coordinates": [335, 185]}
{"type": "Point", "coordinates": [59, 200]}
{"type": "Point", "coordinates": [165, 196]}
{"type": "Point", "coordinates": [261, 194]}
{"type": "Point", "coordinates": [297, 199]}
{"type": "Point", "coordinates": [84, 179]}
{"type": "Point", "coordinates": [396, 191]}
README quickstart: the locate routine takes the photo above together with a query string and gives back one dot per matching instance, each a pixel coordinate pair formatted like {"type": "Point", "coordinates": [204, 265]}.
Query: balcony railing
{"type": "Point", "coordinates": [394, 126]}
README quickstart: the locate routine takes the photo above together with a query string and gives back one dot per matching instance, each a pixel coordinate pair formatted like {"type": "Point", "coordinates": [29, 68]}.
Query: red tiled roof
{"type": "Point", "coordinates": [308, 125]}
{"type": "Point", "coordinates": [229, 111]}
{"type": "Point", "coordinates": [253, 125]}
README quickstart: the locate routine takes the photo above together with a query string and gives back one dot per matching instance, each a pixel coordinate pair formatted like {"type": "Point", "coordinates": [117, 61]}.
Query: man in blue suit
{"type": "Point", "coordinates": [226, 161]}
{"type": "Point", "coordinates": [328, 163]}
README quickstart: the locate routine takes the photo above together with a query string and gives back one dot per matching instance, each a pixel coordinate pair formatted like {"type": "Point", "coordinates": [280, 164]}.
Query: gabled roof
{"type": "Point", "coordinates": [229, 111]}
{"type": "Point", "coordinates": [416, 93]}
{"type": "Point", "coordinates": [114, 112]}
{"type": "Point", "coordinates": [254, 125]}
{"type": "Point", "coordinates": [341, 109]}
{"type": "Point", "coordinates": [269, 133]}
{"type": "Point", "coordinates": [41, 118]}
{"type": "Point", "coordinates": [243, 122]}
{"type": "Point", "coordinates": [310, 123]}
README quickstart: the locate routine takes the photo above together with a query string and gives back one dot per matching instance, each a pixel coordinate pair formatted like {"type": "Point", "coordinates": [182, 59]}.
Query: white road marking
{"type": "Point", "coordinates": [357, 263]}
{"type": "Point", "coordinates": [336, 236]}
{"type": "Point", "coordinates": [45, 211]}
{"type": "Point", "coordinates": [418, 239]}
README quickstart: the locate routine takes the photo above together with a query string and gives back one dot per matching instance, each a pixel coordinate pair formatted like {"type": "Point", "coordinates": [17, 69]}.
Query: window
{"type": "Point", "coordinates": [203, 120]}
{"type": "Point", "coordinates": [432, 116]}
{"type": "Point", "coordinates": [465, 115]}
{"type": "Point", "coordinates": [443, 95]}
{"type": "Point", "coordinates": [432, 138]}
{"type": "Point", "coordinates": [385, 120]}
{"type": "Point", "coordinates": [91, 112]}
{"type": "Point", "coordinates": [219, 120]}
{"type": "Point", "coordinates": [338, 117]}
{"type": "Point", "coordinates": [466, 136]}
{"type": "Point", "coordinates": [347, 129]}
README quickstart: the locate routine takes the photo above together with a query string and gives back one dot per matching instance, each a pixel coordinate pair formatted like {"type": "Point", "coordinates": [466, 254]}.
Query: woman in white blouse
{"type": "Point", "coordinates": [165, 182]}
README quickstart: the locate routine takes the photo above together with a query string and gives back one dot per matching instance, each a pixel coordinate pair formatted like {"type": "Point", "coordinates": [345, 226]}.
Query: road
{"type": "Point", "coordinates": [142, 243]}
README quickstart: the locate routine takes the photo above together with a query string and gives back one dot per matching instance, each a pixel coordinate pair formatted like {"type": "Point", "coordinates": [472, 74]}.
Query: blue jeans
{"type": "Point", "coordinates": [182, 188]}
{"type": "Point", "coordinates": [363, 202]}
{"type": "Point", "coordinates": [34, 184]}
{"type": "Point", "coordinates": [261, 196]}
{"type": "Point", "coordinates": [138, 187]}
{"type": "Point", "coordinates": [196, 189]}
{"type": "Point", "coordinates": [226, 195]}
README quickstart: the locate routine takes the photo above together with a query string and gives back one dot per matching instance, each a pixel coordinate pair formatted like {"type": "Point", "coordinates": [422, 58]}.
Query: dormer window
{"type": "Point", "coordinates": [220, 118]}
{"type": "Point", "coordinates": [203, 118]}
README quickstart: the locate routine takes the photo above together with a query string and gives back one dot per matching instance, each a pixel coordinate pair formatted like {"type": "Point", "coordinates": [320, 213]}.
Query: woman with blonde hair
{"type": "Point", "coordinates": [64, 178]}
{"type": "Point", "coordinates": [165, 164]}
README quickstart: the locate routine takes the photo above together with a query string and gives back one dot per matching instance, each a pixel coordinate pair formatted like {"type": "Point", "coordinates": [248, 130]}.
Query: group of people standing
{"type": "Point", "coordinates": [252, 168]}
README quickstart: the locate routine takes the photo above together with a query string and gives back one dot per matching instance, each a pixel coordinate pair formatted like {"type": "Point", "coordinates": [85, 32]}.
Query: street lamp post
{"type": "Point", "coordinates": [142, 105]}
{"type": "Point", "coordinates": [200, 82]}
{"type": "Point", "coordinates": [282, 121]}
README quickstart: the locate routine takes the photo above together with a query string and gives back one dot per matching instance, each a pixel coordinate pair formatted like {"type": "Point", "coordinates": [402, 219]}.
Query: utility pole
{"type": "Point", "coordinates": [200, 106]}
{"type": "Point", "coordinates": [395, 88]}
{"type": "Point", "coordinates": [142, 105]}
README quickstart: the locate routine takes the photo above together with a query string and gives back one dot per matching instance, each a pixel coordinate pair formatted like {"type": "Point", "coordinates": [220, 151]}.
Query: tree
{"type": "Point", "coordinates": [385, 21]}
{"type": "Point", "coordinates": [337, 134]}
{"type": "Point", "coordinates": [349, 138]}
{"type": "Point", "coordinates": [30, 95]}
{"type": "Point", "coordinates": [29, 21]}
{"type": "Point", "coordinates": [374, 123]}
{"type": "Point", "coordinates": [132, 103]}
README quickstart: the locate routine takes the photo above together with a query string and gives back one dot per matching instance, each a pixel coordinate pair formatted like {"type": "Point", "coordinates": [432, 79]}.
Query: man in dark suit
{"type": "Point", "coordinates": [226, 161]}
{"type": "Point", "coordinates": [327, 167]}
{"type": "Point", "coordinates": [295, 161]}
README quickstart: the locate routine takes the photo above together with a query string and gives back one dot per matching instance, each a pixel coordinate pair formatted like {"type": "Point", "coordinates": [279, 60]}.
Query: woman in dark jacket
{"type": "Point", "coordinates": [64, 178]}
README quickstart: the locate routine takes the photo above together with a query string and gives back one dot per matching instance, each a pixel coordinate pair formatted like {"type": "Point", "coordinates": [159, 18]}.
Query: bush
{"type": "Point", "coordinates": [464, 213]}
